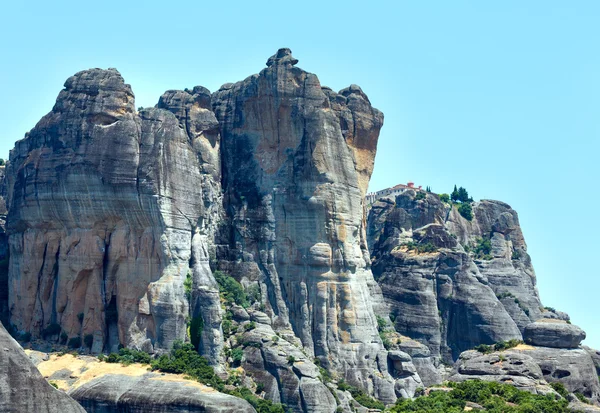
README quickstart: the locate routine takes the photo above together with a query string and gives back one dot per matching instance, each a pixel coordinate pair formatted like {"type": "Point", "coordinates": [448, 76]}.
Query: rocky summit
{"type": "Point", "coordinates": [235, 223]}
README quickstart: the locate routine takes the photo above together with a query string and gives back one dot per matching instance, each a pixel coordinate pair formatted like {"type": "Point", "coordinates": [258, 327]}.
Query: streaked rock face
{"type": "Point", "coordinates": [106, 205]}
{"type": "Point", "coordinates": [450, 298]}
{"type": "Point", "coordinates": [22, 387]}
{"type": "Point", "coordinates": [296, 162]}
{"type": "Point", "coordinates": [111, 210]}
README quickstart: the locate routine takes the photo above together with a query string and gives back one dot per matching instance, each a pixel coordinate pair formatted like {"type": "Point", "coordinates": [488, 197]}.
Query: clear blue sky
{"type": "Point", "coordinates": [501, 98]}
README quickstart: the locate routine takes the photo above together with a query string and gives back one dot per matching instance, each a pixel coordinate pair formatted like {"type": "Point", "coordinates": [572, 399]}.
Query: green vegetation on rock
{"type": "Point", "coordinates": [420, 248]}
{"type": "Point", "coordinates": [231, 290]}
{"type": "Point", "coordinates": [466, 211]}
{"type": "Point", "coordinates": [494, 397]}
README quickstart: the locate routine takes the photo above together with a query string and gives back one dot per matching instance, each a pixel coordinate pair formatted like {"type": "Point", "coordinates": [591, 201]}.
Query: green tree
{"type": "Point", "coordinates": [454, 195]}
{"type": "Point", "coordinates": [466, 211]}
{"type": "Point", "coordinates": [1, 162]}
{"type": "Point", "coordinates": [463, 195]}
{"type": "Point", "coordinates": [444, 198]}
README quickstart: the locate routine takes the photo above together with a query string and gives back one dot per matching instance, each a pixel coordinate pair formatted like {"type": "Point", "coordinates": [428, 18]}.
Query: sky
{"type": "Point", "coordinates": [502, 98]}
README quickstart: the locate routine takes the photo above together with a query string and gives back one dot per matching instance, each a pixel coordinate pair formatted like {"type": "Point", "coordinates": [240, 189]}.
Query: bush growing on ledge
{"type": "Point", "coordinates": [127, 356]}
{"type": "Point", "coordinates": [420, 195]}
{"type": "Point", "coordinates": [420, 248]}
{"type": "Point", "coordinates": [483, 248]}
{"type": "Point", "coordinates": [466, 211]}
{"type": "Point", "coordinates": [444, 198]}
{"type": "Point", "coordinates": [74, 342]}
{"type": "Point", "coordinates": [499, 346]}
{"type": "Point", "coordinates": [231, 290]}
{"type": "Point", "coordinates": [360, 396]}
{"type": "Point", "coordinates": [52, 330]}
{"type": "Point", "coordinates": [494, 397]}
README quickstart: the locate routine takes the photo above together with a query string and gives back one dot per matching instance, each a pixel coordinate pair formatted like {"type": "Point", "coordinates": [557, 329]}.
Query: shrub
{"type": "Point", "coordinates": [184, 359]}
{"type": "Point", "coordinates": [360, 396]}
{"type": "Point", "coordinates": [196, 326]}
{"type": "Point", "coordinates": [2, 163]}
{"type": "Point", "coordinates": [582, 398]}
{"type": "Point", "coordinates": [88, 340]}
{"type": "Point", "coordinates": [127, 356]}
{"type": "Point", "coordinates": [420, 248]}
{"type": "Point", "coordinates": [53, 384]}
{"type": "Point", "coordinates": [325, 375]}
{"type": "Point", "coordinates": [482, 248]}
{"type": "Point", "coordinates": [381, 323]}
{"type": "Point", "coordinates": [466, 211]}
{"type": "Point", "coordinates": [250, 326]}
{"type": "Point", "coordinates": [52, 330]}
{"type": "Point", "coordinates": [260, 387]}
{"type": "Point", "coordinates": [227, 327]}
{"type": "Point", "coordinates": [560, 389]}
{"type": "Point", "coordinates": [385, 340]}
{"type": "Point", "coordinates": [261, 405]}
{"type": "Point", "coordinates": [237, 354]}
{"type": "Point", "coordinates": [516, 254]}
{"type": "Point", "coordinates": [444, 198]}
{"type": "Point", "coordinates": [231, 290]}
{"type": "Point", "coordinates": [187, 286]}
{"type": "Point", "coordinates": [291, 359]}
{"type": "Point", "coordinates": [75, 342]}
{"type": "Point", "coordinates": [493, 396]}
{"type": "Point", "coordinates": [484, 348]}
{"type": "Point", "coordinates": [420, 195]}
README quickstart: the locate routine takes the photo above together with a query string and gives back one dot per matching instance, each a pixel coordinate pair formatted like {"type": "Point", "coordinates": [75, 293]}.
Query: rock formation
{"type": "Point", "coordinates": [446, 297]}
{"type": "Point", "coordinates": [114, 211]}
{"type": "Point", "coordinates": [118, 227]}
{"type": "Point", "coordinates": [22, 387]}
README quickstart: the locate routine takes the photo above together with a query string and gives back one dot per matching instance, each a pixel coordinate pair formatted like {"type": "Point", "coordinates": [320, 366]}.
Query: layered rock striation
{"type": "Point", "coordinates": [453, 283]}
{"type": "Point", "coordinates": [118, 218]}
{"type": "Point", "coordinates": [122, 227]}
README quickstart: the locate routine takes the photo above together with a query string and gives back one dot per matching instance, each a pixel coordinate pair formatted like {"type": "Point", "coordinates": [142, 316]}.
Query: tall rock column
{"type": "Point", "coordinates": [104, 204]}
{"type": "Point", "coordinates": [297, 159]}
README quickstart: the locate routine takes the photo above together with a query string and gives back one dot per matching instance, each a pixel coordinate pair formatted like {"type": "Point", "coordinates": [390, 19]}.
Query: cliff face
{"type": "Point", "coordinates": [108, 209]}
{"type": "Point", "coordinates": [475, 284]}
{"type": "Point", "coordinates": [297, 159]}
{"type": "Point", "coordinates": [115, 213]}
{"type": "Point", "coordinates": [124, 224]}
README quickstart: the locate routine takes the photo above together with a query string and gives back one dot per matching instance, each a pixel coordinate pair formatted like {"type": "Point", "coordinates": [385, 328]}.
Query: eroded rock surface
{"type": "Point", "coordinates": [22, 387]}
{"type": "Point", "coordinates": [119, 217]}
{"type": "Point", "coordinates": [533, 368]}
{"type": "Point", "coordinates": [110, 209]}
{"type": "Point", "coordinates": [553, 333]}
{"type": "Point", "coordinates": [118, 393]}
{"type": "Point", "coordinates": [446, 297]}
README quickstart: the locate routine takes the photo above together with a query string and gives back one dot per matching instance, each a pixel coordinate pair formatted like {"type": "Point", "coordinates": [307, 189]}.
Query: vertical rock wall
{"type": "Point", "coordinates": [451, 298]}
{"type": "Point", "coordinates": [104, 205]}
{"type": "Point", "coordinates": [297, 158]}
